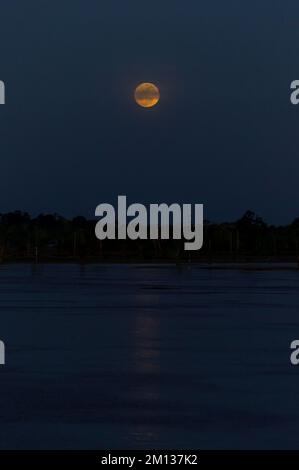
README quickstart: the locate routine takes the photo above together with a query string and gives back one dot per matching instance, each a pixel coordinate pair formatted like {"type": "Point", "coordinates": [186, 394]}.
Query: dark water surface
{"type": "Point", "coordinates": [148, 357]}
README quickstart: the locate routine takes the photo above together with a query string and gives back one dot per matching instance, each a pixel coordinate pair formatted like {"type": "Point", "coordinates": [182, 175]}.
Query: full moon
{"type": "Point", "coordinates": [147, 95]}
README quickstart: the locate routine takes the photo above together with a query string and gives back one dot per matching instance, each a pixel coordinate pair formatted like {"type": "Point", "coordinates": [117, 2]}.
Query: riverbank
{"type": "Point", "coordinates": [203, 264]}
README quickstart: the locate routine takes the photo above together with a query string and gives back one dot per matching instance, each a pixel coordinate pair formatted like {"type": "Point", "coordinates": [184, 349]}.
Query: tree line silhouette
{"type": "Point", "coordinates": [52, 238]}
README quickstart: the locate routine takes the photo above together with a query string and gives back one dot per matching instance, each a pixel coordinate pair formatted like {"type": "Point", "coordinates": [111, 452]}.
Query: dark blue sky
{"type": "Point", "coordinates": [224, 133]}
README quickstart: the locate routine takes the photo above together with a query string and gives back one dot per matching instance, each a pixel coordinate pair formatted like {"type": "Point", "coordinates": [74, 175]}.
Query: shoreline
{"type": "Point", "coordinates": [256, 265]}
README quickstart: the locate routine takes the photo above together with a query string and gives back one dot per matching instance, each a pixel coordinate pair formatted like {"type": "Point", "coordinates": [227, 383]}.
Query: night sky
{"type": "Point", "coordinates": [224, 133]}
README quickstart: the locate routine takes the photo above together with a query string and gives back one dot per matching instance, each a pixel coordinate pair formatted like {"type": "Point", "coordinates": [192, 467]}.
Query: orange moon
{"type": "Point", "coordinates": [147, 95]}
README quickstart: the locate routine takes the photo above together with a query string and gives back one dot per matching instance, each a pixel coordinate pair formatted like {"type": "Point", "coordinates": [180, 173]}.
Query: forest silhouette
{"type": "Point", "coordinates": [53, 238]}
